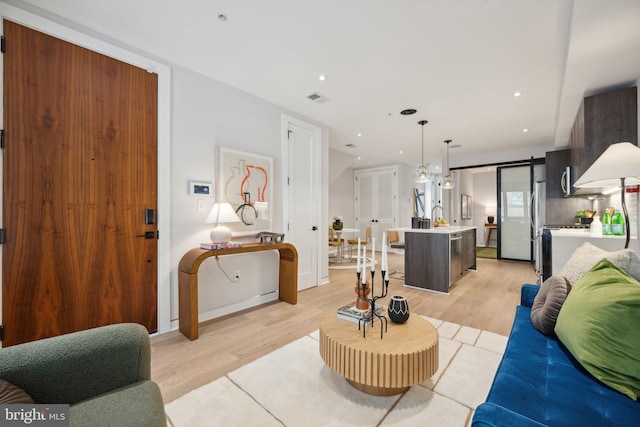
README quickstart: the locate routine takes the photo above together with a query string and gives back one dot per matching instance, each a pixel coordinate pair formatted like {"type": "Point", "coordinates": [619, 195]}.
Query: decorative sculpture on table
{"type": "Point", "coordinates": [268, 238]}
{"type": "Point", "coordinates": [337, 223]}
{"type": "Point", "coordinates": [365, 287]}
{"type": "Point", "coordinates": [398, 309]}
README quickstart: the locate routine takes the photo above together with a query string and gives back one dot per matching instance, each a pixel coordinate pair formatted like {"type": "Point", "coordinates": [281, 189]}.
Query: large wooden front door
{"type": "Point", "coordinates": [80, 172]}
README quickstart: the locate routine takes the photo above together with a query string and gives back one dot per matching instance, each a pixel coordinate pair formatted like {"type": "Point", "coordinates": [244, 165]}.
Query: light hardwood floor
{"type": "Point", "coordinates": [484, 299]}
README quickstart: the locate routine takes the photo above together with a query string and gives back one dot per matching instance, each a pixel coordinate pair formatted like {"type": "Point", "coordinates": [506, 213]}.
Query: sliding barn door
{"type": "Point", "coordinates": [79, 190]}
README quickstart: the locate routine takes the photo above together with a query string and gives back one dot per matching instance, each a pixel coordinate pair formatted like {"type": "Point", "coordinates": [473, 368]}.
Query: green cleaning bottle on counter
{"type": "Point", "coordinates": [617, 224]}
{"type": "Point", "coordinates": [606, 223]}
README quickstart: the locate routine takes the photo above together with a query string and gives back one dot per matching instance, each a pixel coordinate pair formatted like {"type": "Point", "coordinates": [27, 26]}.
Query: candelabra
{"type": "Point", "coordinates": [371, 316]}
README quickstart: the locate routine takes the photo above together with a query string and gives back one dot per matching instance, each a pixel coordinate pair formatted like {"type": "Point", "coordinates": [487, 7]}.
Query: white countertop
{"type": "Point", "coordinates": [438, 230]}
{"type": "Point", "coordinates": [565, 242]}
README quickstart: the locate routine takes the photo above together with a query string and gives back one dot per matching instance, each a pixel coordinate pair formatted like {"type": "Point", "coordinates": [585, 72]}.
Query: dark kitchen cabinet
{"type": "Point", "coordinates": [436, 260]}
{"type": "Point", "coordinates": [602, 120]}
{"type": "Point", "coordinates": [468, 250]}
{"type": "Point", "coordinates": [560, 210]}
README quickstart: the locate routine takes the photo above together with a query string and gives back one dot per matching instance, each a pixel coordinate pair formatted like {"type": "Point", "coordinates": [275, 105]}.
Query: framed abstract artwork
{"type": "Point", "coordinates": [245, 181]}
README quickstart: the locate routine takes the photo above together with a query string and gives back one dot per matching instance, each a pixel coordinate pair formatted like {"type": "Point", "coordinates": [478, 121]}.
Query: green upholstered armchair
{"type": "Point", "coordinates": [103, 373]}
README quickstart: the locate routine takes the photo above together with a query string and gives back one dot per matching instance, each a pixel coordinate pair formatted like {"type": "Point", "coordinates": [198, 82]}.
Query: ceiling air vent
{"type": "Point", "coordinates": [350, 145]}
{"type": "Point", "coordinates": [317, 98]}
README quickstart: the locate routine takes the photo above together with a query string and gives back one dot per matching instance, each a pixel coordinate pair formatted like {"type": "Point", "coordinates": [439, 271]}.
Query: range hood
{"type": "Point", "coordinates": [570, 191]}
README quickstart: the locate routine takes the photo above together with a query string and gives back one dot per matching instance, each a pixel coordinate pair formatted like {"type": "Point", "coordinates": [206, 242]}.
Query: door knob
{"type": "Point", "coordinates": [314, 228]}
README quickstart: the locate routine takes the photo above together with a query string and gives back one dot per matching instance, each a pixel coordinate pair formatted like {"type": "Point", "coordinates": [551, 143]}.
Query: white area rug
{"type": "Point", "coordinates": [293, 387]}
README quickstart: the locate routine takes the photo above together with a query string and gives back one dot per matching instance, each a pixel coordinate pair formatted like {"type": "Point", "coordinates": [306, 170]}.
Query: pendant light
{"type": "Point", "coordinates": [447, 182]}
{"type": "Point", "coordinates": [422, 173]}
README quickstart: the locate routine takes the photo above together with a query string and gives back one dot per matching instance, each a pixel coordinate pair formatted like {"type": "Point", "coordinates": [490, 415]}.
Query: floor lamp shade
{"type": "Point", "coordinates": [618, 165]}
{"type": "Point", "coordinates": [621, 160]}
{"type": "Point", "coordinates": [221, 213]}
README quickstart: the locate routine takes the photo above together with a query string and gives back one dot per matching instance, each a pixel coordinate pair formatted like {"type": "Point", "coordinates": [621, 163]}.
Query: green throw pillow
{"type": "Point", "coordinates": [599, 323]}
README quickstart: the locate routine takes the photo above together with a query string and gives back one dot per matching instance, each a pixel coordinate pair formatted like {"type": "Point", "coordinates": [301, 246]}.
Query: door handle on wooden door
{"type": "Point", "coordinates": [148, 235]}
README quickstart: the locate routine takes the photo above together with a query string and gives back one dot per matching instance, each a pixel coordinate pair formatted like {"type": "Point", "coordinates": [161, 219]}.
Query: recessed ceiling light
{"type": "Point", "coordinates": [408, 111]}
{"type": "Point", "coordinates": [517, 94]}
{"type": "Point", "coordinates": [359, 158]}
{"type": "Point", "coordinates": [400, 152]}
{"type": "Point", "coordinates": [222, 17]}
{"type": "Point", "coordinates": [525, 130]}
{"type": "Point", "coordinates": [322, 77]}
{"type": "Point", "coordinates": [359, 134]}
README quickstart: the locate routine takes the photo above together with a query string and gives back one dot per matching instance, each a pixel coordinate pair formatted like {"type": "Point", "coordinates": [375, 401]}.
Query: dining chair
{"type": "Point", "coordinates": [363, 242]}
{"type": "Point", "coordinates": [393, 239]}
{"type": "Point", "coordinates": [334, 242]}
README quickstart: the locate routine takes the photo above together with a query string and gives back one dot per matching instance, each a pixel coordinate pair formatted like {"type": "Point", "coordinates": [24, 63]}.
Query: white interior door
{"type": "Point", "coordinates": [376, 201]}
{"type": "Point", "coordinates": [303, 199]}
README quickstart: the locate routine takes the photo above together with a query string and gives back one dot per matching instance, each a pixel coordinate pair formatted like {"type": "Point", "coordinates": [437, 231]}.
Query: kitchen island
{"type": "Point", "coordinates": [563, 242]}
{"type": "Point", "coordinates": [436, 258]}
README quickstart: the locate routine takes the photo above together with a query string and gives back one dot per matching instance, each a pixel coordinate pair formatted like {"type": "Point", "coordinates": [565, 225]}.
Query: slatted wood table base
{"type": "Point", "coordinates": [405, 356]}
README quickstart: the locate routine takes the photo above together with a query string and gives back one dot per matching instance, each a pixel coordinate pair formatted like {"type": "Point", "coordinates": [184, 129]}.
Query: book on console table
{"type": "Point", "coordinates": [212, 246]}
{"type": "Point", "coordinates": [352, 314]}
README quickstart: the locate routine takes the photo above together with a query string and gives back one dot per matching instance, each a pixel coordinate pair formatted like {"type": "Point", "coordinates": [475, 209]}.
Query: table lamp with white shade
{"type": "Point", "coordinates": [220, 214]}
{"type": "Point", "coordinates": [619, 165]}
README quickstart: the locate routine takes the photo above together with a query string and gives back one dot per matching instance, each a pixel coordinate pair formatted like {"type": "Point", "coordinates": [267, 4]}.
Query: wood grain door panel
{"type": "Point", "coordinates": [80, 168]}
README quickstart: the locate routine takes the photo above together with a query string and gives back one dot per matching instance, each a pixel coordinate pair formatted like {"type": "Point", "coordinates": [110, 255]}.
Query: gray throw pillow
{"type": "Point", "coordinates": [548, 303]}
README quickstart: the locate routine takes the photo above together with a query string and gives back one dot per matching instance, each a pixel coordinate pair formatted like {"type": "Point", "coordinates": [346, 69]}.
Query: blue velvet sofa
{"type": "Point", "coordinates": [539, 383]}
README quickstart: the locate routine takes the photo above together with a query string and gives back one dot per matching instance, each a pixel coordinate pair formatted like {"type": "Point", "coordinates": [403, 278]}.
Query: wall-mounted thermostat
{"type": "Point", "coordinates": [201, 189]}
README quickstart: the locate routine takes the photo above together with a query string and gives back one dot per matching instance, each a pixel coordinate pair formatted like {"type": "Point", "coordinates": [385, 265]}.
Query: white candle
{"type": "Point", "coordinates": [384, 252]}
{"type": "Point", "coordinates": [358, 265]}
{"type": "Point", "coordinates": [364, 265]}
{"type": "Point", "coordinates": [373, 254]}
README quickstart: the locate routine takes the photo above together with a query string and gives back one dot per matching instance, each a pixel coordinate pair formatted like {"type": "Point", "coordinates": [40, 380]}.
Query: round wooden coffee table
{"type": "Point", "coordinates": [406, 355]}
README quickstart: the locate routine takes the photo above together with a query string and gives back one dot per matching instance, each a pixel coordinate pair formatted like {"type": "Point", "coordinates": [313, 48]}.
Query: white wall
{"type": "Point", "coordinates": [341, 188]}
{"type": "Point", "coordinates": [406, 186]}
{"type": "Point", "coordinates": [464, 185]}
{"type": "Point", "coordinates": [484, 189]}
{"type": "Point", "coordinates": [491, 157]}
{"type": "Point", "coordinates": [207, 114]}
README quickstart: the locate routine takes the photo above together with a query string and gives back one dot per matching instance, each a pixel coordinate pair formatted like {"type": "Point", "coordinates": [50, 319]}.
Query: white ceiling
{"type": "Point", "coordinates": [458, 62]}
